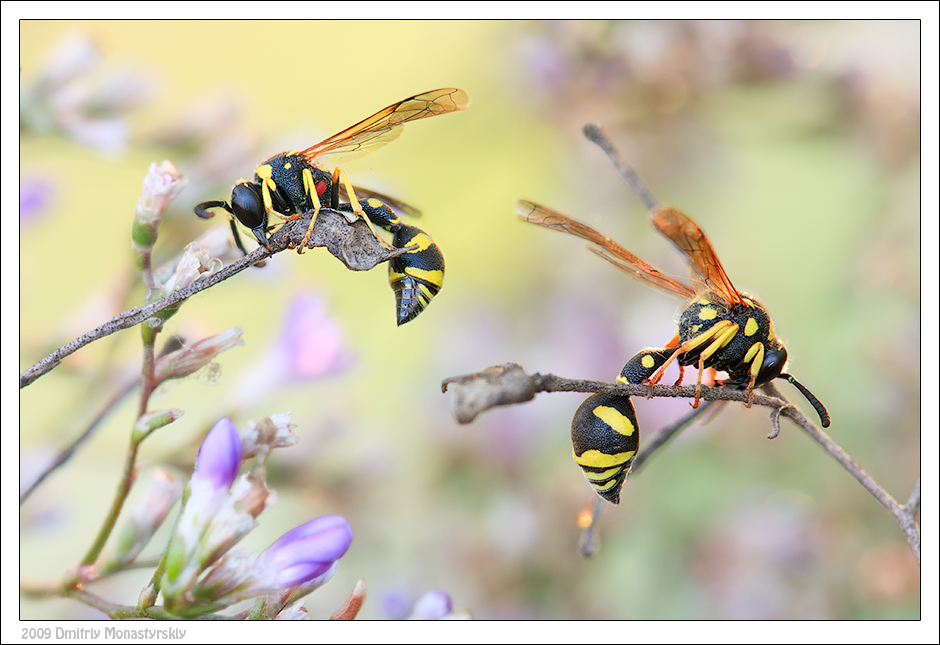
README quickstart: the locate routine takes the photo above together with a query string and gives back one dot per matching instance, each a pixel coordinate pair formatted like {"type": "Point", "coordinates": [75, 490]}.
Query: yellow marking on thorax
{"type": "Point", "coordinates": [751, 327]}
{"type": "Point", "coordinates": [707, 313]}
{"type": "Point", "coordinates": [648, 361]}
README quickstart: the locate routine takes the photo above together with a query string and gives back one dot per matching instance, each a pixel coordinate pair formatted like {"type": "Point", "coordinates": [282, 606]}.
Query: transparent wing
{"type": "Point", "coordinates": [604, 247]}
{"type": "Point", "coordinates": [689, 238]}
{"type": "Point", "coordinates": [385, 125]}
{"type": "Point", "coordinates": [396, 204]}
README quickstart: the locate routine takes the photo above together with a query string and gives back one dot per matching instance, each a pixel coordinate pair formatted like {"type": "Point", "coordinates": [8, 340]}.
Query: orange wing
{"type": "Point", "coordinates": [604, 247]}
{"type": "Point", "coordinates": [385, 125]}
{"type": "Point", "coordinates": [689, 238]}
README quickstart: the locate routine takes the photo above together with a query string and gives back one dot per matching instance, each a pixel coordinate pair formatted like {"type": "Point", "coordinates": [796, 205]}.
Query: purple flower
{"type": "Point", "coordinates": [437, 605]}
{"type": "Point", "coordinates": [432, 606]}
{"type": "Point", "coordinates": [299, 562]}
{"type": "Point", "coordinates": [308, 550]}
{"type": "Point", "coordinates": [220, 455]}
{"type": "Point", "coordinates": [311, 344]}
{"type": "Point", "coordinates": [309, 347]}
{"type": "Point", "coordinates": [218, 513]}
{"type": "Point", "coordinates": [35, 198]}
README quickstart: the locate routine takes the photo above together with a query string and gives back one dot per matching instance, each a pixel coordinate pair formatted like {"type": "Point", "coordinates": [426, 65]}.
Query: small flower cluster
{"type": "Point", "coordinates": [201, 571]}
{"type": "Point", "coordinates": [74, 96]}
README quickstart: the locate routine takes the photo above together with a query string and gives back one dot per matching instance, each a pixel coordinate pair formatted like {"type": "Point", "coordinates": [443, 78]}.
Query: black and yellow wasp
{"type": "Point", "coordinates": [721, 329]}
{"type": "Point", "coordinates": [290, 184]}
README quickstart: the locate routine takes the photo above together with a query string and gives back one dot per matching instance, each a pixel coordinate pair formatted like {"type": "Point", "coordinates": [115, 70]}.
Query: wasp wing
{"type": "Point", "coordinates": [604, 247]}
{"type": "Point", "coordinates": [385, 125]}
{"type": "Point", "coordinates": [686, 235]}
{"type": "Point", "coordinates": [395, 203]}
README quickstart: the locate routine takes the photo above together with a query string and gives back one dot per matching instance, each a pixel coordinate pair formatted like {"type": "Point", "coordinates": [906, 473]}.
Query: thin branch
{"type": "Point", "coordinates": [906, 516]}
{"type": "Point", "coordinates": [597, 135]}
{"type": "Point", "coordinates": [508, 384]}
{"type": "Point", "coordinates": [71, 449]}
{"type": "Point", "coordinates": [353, 244]}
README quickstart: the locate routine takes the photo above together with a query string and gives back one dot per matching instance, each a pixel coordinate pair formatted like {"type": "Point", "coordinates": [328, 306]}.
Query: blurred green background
{"type": "Point", "coordinates": [794, 145]}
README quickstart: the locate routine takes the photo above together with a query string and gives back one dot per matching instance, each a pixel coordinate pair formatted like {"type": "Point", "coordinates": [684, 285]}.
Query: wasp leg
{"type": "Point", "coordinates": [755, 355]}
{"type": "Point", "coordinates": [698, 380]}
{"type": "Point", "coordinates": [681, 376]}
{"type": "Point", "coordinates": [338, 175]}
{"type": "Point", "coordinates": [310, 188]}
{"type": "Point", "coordinates": [605, 437]}
{"type": "Point", "coordinates": [722, 332]}
{"type": "Point", "coordinates": [238, 238]}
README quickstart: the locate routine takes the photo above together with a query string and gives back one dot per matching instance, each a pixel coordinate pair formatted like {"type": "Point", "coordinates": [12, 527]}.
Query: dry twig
{"type": "Point", "coordinates": [508, 384]}
{"type": "Point", "coordinates": [353, 244]}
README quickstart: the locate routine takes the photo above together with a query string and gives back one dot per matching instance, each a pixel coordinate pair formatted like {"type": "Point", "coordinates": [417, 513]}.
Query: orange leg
{"type": "Point", "coordinates": [338, 175]}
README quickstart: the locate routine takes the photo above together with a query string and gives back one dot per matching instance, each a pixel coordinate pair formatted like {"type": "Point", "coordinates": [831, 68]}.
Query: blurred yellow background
{"type": "Point", "coordinates": [794, 145]}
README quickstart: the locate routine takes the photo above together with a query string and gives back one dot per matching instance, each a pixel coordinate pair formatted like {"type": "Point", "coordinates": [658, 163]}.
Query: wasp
{"type": "Point", "coordinates": [720, 329]}
{"type": "Point", "coordinates": [290, 184]}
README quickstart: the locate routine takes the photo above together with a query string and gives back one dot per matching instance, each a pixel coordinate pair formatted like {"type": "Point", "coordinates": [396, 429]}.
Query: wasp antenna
{"type": "Point", "coordinates": [598, 136]}
{"type": "Point", "coordinates": [816, 403]}
{"type": "Point", "coordinates": [204, 211]}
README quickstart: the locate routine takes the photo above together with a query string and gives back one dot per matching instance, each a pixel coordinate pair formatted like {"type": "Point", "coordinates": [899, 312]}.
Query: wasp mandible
{"type": "Point", "coordinates": [290, 184]}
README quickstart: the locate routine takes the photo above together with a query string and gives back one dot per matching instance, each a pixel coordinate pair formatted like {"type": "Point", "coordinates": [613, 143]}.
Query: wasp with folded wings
{"type": "Point", "coordinates": [720, 328]}
{"type": "Point", "coordinates": [290, 184]}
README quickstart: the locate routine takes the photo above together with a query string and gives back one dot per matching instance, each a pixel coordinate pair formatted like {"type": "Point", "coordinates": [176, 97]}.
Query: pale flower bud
{"type": "Point", "coordinates": [161, 185]}
{"type": "Point", "coordinates": [187, 360]}
{"type": "Point", "coordinates": [195, 262]}
{"type": "Point", "coordinates": [270, 432]}
{"type": "Point", "coordinates": [162, 494]}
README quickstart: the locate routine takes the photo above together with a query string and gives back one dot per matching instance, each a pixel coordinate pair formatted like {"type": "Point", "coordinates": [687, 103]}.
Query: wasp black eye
{"type": "Point", "coordinates": [248, 206]}
{"type": "Point", "coordinates": [774, 361]}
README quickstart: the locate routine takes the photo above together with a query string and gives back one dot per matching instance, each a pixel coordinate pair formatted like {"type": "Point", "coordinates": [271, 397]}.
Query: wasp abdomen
{"type": "Point", "coordinates": [605, 437]}
{"type": "Point", "coordinates": [417, 276]}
